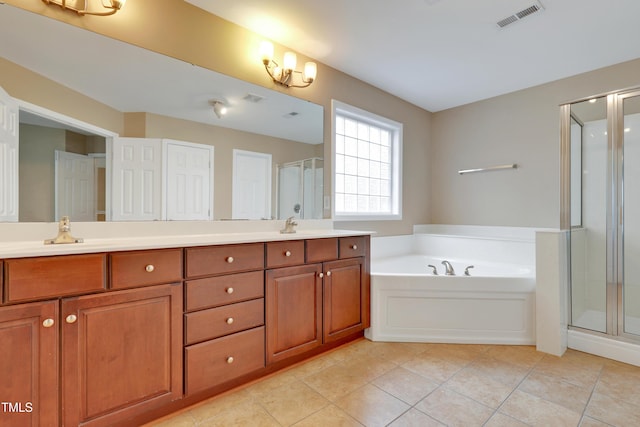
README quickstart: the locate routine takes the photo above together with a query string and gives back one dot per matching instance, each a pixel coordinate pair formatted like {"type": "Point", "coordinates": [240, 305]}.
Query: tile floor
{"type": "Point", "coordinates": [399, 384]}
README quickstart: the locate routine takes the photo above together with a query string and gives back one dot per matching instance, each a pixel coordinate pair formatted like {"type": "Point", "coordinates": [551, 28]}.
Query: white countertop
{"type": "Point", "coordinates": [34, 248]}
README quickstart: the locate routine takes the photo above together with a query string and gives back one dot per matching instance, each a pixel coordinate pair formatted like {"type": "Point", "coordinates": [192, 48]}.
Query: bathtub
{"type": "Point", "coordinates": [495, 304]}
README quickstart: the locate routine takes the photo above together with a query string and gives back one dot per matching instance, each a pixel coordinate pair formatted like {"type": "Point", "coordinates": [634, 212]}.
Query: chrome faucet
{"type": "Point", "coordinates": [466, 270]}
{"type": "Point", "coordinates": [435, 270]}
{"type": "Point", "coordinates": [448, 268]}
{"type": "Point", "coordinates": [64, 233]}
{"type": "Point", "coordinates": [288, 226]}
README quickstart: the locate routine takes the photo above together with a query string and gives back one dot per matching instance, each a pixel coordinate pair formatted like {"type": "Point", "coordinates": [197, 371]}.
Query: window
{"type": "Point", "coordinates": [367, 153]}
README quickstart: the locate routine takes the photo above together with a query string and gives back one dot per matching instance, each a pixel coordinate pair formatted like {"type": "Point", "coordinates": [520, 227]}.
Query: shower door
{"type": "Point", "coordinates": [604, 165]}
{"type": "Point", "coordinates": [629, 232]}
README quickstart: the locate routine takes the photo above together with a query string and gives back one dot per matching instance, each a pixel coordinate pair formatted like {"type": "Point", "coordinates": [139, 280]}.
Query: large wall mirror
{"type": "Point", "coordinates": [268, 147]}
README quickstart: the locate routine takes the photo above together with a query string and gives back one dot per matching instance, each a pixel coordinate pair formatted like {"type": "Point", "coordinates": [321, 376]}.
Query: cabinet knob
{"type": "Point", "coordinates": [230, 359]}
{"type": "Point", "coordinates": [354, 247]}
{"type": "Point", "coordinates": [149, 268]}
{"type": "Point", "coordinates": [47, 323]}
{"type": "Point", "coordinates": [229, 290]}
{"type": "Point", "coordinates": [229, 320]}
{"type": "Point", "coordinates": [287, 253]}
{"type": "Point", "coordinates": [321, 275]}
{"type": "Point", "coordinates": [229, 259]}
{"type": "Point", "coordinates": [71, 318]}
{"type": "Point", "coordinates": [328, 273]}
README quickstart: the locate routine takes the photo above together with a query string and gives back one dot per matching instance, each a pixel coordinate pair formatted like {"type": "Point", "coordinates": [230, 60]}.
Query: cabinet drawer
{"type": "Point", "coordinates": [319, 250]}
{"type": "Point", "coordinates": [142, 268]}
{"type": "Point", "coordinates": [224, 259]}
{"type": "Point", "coordinates": [225, 320]}
{"type": "Point", "coordinates": [351, 247]}
{"type": "Point", "coordinates": [215, 362]}
{"type": "Point", "coordinates": [44, 277]}
{"type": "Point", "coordinates": [221, 290]}
{"type": "Point", "coordinates": [287, 253]}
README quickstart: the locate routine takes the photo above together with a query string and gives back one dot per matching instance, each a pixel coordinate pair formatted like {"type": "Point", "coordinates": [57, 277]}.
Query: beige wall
{"type": "Point", "coordinates": [522, 127]}
{"type": "Point", "coordinates": [229, 49]}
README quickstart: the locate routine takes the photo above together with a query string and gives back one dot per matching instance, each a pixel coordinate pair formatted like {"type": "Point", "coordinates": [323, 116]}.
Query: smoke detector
{"type": "Point", "coordinates": [528, 11]}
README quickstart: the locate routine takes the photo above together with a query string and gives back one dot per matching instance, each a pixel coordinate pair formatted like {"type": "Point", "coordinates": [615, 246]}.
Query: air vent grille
{"type": "Point", "coordinates": [252, 97]}
{"type": "Point", "coordinates": [519, 15]}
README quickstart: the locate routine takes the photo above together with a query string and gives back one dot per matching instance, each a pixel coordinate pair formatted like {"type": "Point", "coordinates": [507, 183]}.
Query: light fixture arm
{"type": "Point", "coordinates": [286, 76]}
{"type": "Point", "coordinates": [112, 7]}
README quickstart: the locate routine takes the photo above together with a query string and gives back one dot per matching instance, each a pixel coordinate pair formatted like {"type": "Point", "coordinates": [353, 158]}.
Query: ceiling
{"type": "Point", "coordinates": [439, 54]}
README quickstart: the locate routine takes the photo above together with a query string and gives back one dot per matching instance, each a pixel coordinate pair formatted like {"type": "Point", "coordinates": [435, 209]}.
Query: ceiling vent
{"type": "Point", "coordinates": [252, 97]}
{"type": "Point", "coordinates": [536, 7]}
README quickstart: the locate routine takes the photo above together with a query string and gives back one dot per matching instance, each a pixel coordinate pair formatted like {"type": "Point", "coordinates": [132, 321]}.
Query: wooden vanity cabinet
{"type": "Point", "coordinates": [121, 354]}
{"type": "Point", "coordinates": [29, 364]}
{"type": "Point", "coordinates": [224, 319]}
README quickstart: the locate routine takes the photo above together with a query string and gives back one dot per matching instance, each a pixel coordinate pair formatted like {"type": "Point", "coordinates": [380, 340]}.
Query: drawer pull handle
{"type": "Point", "coordinates": [354, 247]}
{"type": "Point", "coordinates": [229, 290]}
{"type": "Point", "coordinates": [71, 318]}
{"type": "Point", "coordinates": [149, 268]}
{"type": "Point", "coordinates": [229, 320]}
{"type": "Point", "coordinates": [287, 253]}
{"type": "Point", "coordinates": [230, 359]}
{"type": "Point", "coordinates": [47, 323]}
{"type": "Point", "coordinates": [321, 275]}
{"type": "Point", "coordinates": [328, 273]}
{"type": "Point", "coordinates": [229, 259]}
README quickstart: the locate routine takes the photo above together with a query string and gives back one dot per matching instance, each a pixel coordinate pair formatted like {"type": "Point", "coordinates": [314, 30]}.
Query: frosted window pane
{"type": "Point", "coordinates": [350, 184]}
{"type": "Point", "coordinates": [385, 204]}
{"type": "Point", "coordinates": [351, 128]}
{"type": "Point", "coordinates": [384, 154]}
{"type": "Point", "coordinates": [340, 144]}
{"type": "Point", "coordinates": [363, 185]}
{"type": "Point", "coordinates": [351, 146]}
{"type": "Point", "coordinates": [351, 165]}
{"type": "Point", "coordinates": [339, 183]}
{"type": "Point", "coordinates": [339, 125]}
{"type": "Point", "coordinates": [374, 186]}
{"type": "Point", "coordinates": [350, 203]}
{"type": "Point", "coordinates": [374, 135]}
{"type": "Point", "coordinates": [374, 204]}
{"type": "Point", "coordinates": [363, 167]}
{"type": "Point", "coordinates": [374, 152]}
{"type": "Point", "coordinates": [385, 172]}
{"type": "Point", "coordinates": [339, 163]}
{"type": "Point", "coordinates": [339, 202]}
{"type": "Point", "coordinates": [385, 188]}
{"type": "Point", "coordinates": [374, 169]}
{"type": "Point", "coordinates": [363, 149]}
{"type": "Point", "coordinates": [363, 203]}
{"type": "Point", "coordinates": [363, 131]}
{"type": "Point", "coordinates": [385, 138]}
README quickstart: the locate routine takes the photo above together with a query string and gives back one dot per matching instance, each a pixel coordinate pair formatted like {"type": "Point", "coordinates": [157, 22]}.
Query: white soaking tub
{"type": "Point", "coordinates": [494, 304]}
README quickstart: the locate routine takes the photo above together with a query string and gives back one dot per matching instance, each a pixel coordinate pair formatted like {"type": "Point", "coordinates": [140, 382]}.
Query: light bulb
{"type": "Point", "coordinates": [310, 71]}
{"type": "Point", "coordinates": [289, 62]}
{"type": "Point", "coordinates": [266, 52]}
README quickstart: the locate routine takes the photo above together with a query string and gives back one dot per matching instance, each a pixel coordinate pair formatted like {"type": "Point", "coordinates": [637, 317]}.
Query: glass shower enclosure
{"type": "Point", "coordinates": [300, 189]}
{"type": "Point", "coordinates": [601, 145]}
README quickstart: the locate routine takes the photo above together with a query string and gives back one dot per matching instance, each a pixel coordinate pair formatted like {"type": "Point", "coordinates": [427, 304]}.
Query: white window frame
{"type": "Point", "coordinates": [395, 129]}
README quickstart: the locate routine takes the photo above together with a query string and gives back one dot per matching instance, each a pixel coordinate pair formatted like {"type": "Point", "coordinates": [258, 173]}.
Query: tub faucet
{"type": "Point", "coordinates": [435, 270]}
{"type": "Point", "coordinates": [448, 268]}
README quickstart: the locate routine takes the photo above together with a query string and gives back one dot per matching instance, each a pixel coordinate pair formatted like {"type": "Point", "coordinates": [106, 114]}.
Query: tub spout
{"type": "Point", "coordinates": [466, 270]}
{"type": "Point", "coordinates": [448, 268]}
{"type": "Point", "coordinates": [435, 270]}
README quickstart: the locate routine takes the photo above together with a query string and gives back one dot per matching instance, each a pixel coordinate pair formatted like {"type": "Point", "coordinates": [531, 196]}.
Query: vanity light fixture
{"type": "Point", "coordinates": [285, 75]}
{"type": "Point", "coordinates": [81, 7]}
{"type": "Point", "coordinates": [218, 108]}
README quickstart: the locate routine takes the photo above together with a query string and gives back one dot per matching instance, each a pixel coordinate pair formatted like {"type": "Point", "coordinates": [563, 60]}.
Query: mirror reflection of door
{"type": "Point", "coordinates": [75, 186]}
{"type": "Point", "coordinates": [251, 194]}
{"type": "Point", "coordinates": [8, 158]}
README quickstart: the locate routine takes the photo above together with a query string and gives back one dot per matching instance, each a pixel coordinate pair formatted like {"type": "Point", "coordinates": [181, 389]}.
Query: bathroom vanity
{"type": "Point", "coordinates": [103, 335]}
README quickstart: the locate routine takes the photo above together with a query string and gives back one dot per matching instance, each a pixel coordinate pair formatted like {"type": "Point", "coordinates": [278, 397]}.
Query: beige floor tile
{"type": "Point", "coordinates": [329, 416]}
{"type": "Point", "coordinates": [590, 422]}
{"type": "Point", "coordinates": [453, 409]}
{"type": "Point", "coordinates": [462, 353]}
{"type": "Point", "coordinates": [212, 407]}
{"type": "Point", "coordinates": [292, 402]}
{"type": "Point", "coordinates": [498, 370]}
{"type": "Point", "coordinates": [433, 367]}
{"type": "Point", "coordinates": [613, 411]}
{"type": "Point", "coordinates": [415, 418]}
{"type": "Point", "coordinates": [405, 385]}
{"type": "Point", "coordinates": [251, 415]}
{"type": "Point", "coordinates": [557, 391]}
{"type": "Point", "coordinates": [395, 352]}
{"type": "Point", "coordinates": [521, 355]}
{"type": "Point", "coordinates": [502, 420]}
{"type": "Point", "coordinates": [535, 411]}
{"type": "Point", "coordinates": [570, 369]}
{"type": "Point", "coordinates": [180, 420]}
{"type": "Point", "coordinates": [266, 386]}
{"type": "Point", "coordinates": [369, 367]}
{"type": "Point", "coordinates": [313, 366]}
{"type": "Point", "coordinates": [620, 381]}
{"type": "Point", "coordinates": [480, 388]}
{"type": "Point", "coordinates": [372, 406]}
{"type": "Point", "coordinates": [335, 381]}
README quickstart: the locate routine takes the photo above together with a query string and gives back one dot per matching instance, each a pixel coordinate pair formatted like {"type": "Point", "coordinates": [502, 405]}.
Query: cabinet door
{"type": "Point", "coordinates": [29, 364]}
{"type": "Point", "coordinates": [137, 179]}
{"type": "Point", "coordinates": [293, 311]}
{"type": "Point", "coordinates": [121, 354]}
{"type": "Point", "coordinates": [345, 298]}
